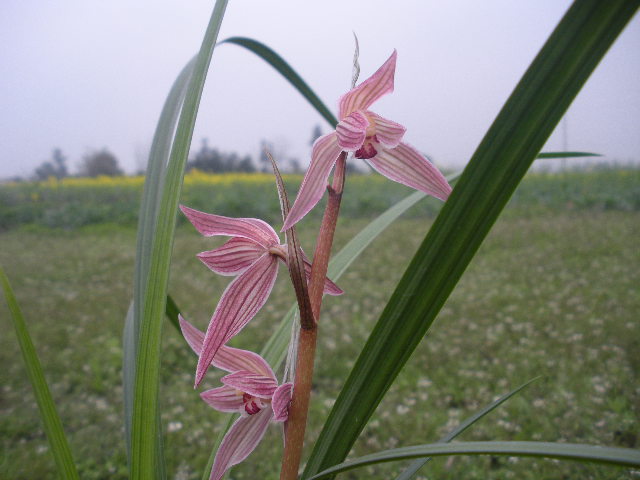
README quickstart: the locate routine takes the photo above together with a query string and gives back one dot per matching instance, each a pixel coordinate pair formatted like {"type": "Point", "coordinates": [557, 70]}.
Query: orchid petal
{"type": "Point", "coordinates": [224, 399]}
{"type": "Point", "coordinates": [351, 131]}
{"type": "Point", "coordinates": [388, 133]}
{"type": "Point", "coordinates": [240, 441]}
{"type": "Point", "coordinates": [253, 229]}
{"type": "Point", "coordinates": [228, 358]}
{"type": "Point", "coordinates": [239, 303]}
{"type": "Point", "coordinates": [330, 288]}
{"type": "Point", "coordinates": [233, 257]}
{"type": "Point", "coordinates": [255, 385]}
{"type": "Point", "coordinates": [374, 87]}
{"type": "Point", "coordinates": [324, 155]}
{"type": "Point", "coordinates": [404, 164]}
{"type": "Point", "coordinates": [280, 402]}
{"type": "Point", "coordinates": [236, 360]}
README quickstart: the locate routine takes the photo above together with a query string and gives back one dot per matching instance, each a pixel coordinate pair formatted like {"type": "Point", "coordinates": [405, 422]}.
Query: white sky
{"type": "Point", "coordinates": [83, 75]}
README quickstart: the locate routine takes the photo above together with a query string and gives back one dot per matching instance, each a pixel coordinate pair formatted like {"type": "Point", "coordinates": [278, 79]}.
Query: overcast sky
{"type": "Point", "coordinates": [83, 75]}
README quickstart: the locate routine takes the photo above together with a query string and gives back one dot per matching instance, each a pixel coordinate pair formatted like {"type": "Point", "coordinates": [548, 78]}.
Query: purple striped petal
{"type": "Point", "coordinates": [236, 360]}
{"type": "Point", "coordinates": [280, 402]}
{"type": "Point", "coordinates": [250, 228]}
{"type": "Point", "coordinates": [239, 303]}
{"type": "Point", "coordinates": [404, 164]}
{"type": "Point", "coordinates": [255, 385]}
{"type": "Point", "coordinates": [242, 439]}
{"type": "Point", "coordinates": [324, 155]}
{"type": "Point", "coordinates": [387, 133]}
{"type": "Point", "coordinates": [374, 87]}
{"type": "Point", "coordinates": [330, 288]}
{"type": "Point", "coordinates": [224, 399]}
{"type": "Point", "coordinates": [351, 131]}
{"type": "Point", "coordinates": [228, 358]}
{"type": "Point", "coordinates": [233, 257]}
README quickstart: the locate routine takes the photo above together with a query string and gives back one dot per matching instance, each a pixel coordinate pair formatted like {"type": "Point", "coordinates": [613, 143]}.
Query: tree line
{"type": "Point", "coordinates": [206, 159]}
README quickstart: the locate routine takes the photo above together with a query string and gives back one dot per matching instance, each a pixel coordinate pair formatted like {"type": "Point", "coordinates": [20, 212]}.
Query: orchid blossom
{"type": "Point", "coordinates": [372, 138]}
{"type": "Point", "coordinates": [250, 389]}
{"type": "Point", "coordinates": [252, 254]}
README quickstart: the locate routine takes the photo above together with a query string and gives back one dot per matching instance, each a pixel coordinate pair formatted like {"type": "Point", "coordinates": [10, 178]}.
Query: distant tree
{"type": "Point", "coordinates": [211, 160]}
{"type": "Point", "coordinates": [101, 162]}
{"type": "Point", "coordinates": [265, 163]}
{"type": "Point", "coordinates": [55, 168]}
{"type": "Point", "coordinates": [316, 133]}
{"type": "Point", "coordinates": [294, 165]}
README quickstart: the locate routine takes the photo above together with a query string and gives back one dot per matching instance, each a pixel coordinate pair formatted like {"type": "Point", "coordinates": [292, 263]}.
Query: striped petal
{"type": "Point", "coordinates": [280, 402]}
{"type": "Point", "coordinates": [233, 257]}
{"type": "Point", "coordinates": [404, 164]}
{"type": "Point", "coordinates": [374, 87]}
{"type": "Point", "coordinates": [253, 229]}
{"type": "Point", "coordinates": [324, 155]}
{"type": "Point", "coordinates": [228, 358]}
{"type": "Point", "coordinates": [330, 288]}
{"type": "Point", "coordinates": [255, 385]}
{"type": "Point", "coordinates": [351, 131]}
{"type": "Point", "coordinates": [387, 133]}
{"type": "Point", "coordinates": [224, 399]}
{"type": "Point", "coordinates": [239, 303]}
{"type": "Point", "coordinates": [242, 439]}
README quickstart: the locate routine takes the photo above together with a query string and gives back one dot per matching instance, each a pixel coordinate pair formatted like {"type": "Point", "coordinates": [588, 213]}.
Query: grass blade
{"type": "Point", "coordinates": [150, 205]}
{"type": "Point", "coordinates": [277, 62]}
{"type": "Point", "coordinates": [622, 457]}
{"type": "Point", "coordinates": [496, 168]}
{"type": "Point", "coordinates": [543, 155]}
{"type": "Point", "coordinates": [145, 426]}
{"type": "Point", "coordinates": [172, 311]}
{"type": "Point", "coordinates": [48, 413]}
{"type": "Point", "coordinates": [418, 464]}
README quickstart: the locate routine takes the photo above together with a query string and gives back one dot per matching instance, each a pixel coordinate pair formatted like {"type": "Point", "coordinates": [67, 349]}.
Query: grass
{"type": "Point", "coordinates": [553, 295]}
{"type": "Point", "coordinates": [77, 202]}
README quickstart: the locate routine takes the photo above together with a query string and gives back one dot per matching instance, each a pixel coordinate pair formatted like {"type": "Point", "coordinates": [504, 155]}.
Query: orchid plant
{"type": "Point", "coordinates": [253, 252]}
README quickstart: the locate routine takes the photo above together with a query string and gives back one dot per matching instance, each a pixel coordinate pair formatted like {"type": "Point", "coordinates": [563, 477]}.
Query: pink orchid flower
{"type": "Point", "coordinates": [372, 138]}
{"type": "Point", "coordinates": [252, 254]}
{"type": "Point", "coordinates": [251, 389]}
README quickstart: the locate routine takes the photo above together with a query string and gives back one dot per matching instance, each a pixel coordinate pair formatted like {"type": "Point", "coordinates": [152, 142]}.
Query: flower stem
{"type": "Point", "coordinates": [297, 422]}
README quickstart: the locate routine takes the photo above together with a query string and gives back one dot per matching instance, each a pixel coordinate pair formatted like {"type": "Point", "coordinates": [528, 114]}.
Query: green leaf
{"type": "Point", "coordinates": [623, 457]}
{"type": "Point", "coordinates": [150, 205]}
{"type": "Point", "coordinates": [172, 311]}
{"type": "Point", "coordinates": [48, 413]}
{"type": "Point", "coordinates": [146, 434]}
{"type": "Point", "coordinates": [417, 465]}
{"type": "Point", "coordinates": [277, 62]}
{"type": "Point", "coordinates": [495, 170]}
{"type": "Point", "coordinates": [551, 155]}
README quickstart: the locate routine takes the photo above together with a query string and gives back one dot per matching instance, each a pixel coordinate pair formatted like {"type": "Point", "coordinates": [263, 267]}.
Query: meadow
{"type": "Point", "coordinates": [553, 293]}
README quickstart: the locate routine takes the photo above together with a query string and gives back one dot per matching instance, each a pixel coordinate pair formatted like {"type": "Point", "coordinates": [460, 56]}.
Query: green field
{"type": "Point", "coordinates": [553, 292]}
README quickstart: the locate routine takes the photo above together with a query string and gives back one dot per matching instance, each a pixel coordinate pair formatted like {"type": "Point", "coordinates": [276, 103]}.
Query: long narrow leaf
{"type": "Point", "coordinates": [551, 155]}
{"type": "Point", "coordinates": [277, 62]}
{"type": "Point", "coordinates": [418, 464]}
{"type": "Point", "coordinates": [48, 413]}
{"type": "Point", "coordinates": [498, 165]}
{"type": "Point", "coordinates": [150, 205]}
{"type": "Point", "coordinates": [145, 427]}
{"type": "Point", "coordinates": [623, 457]}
